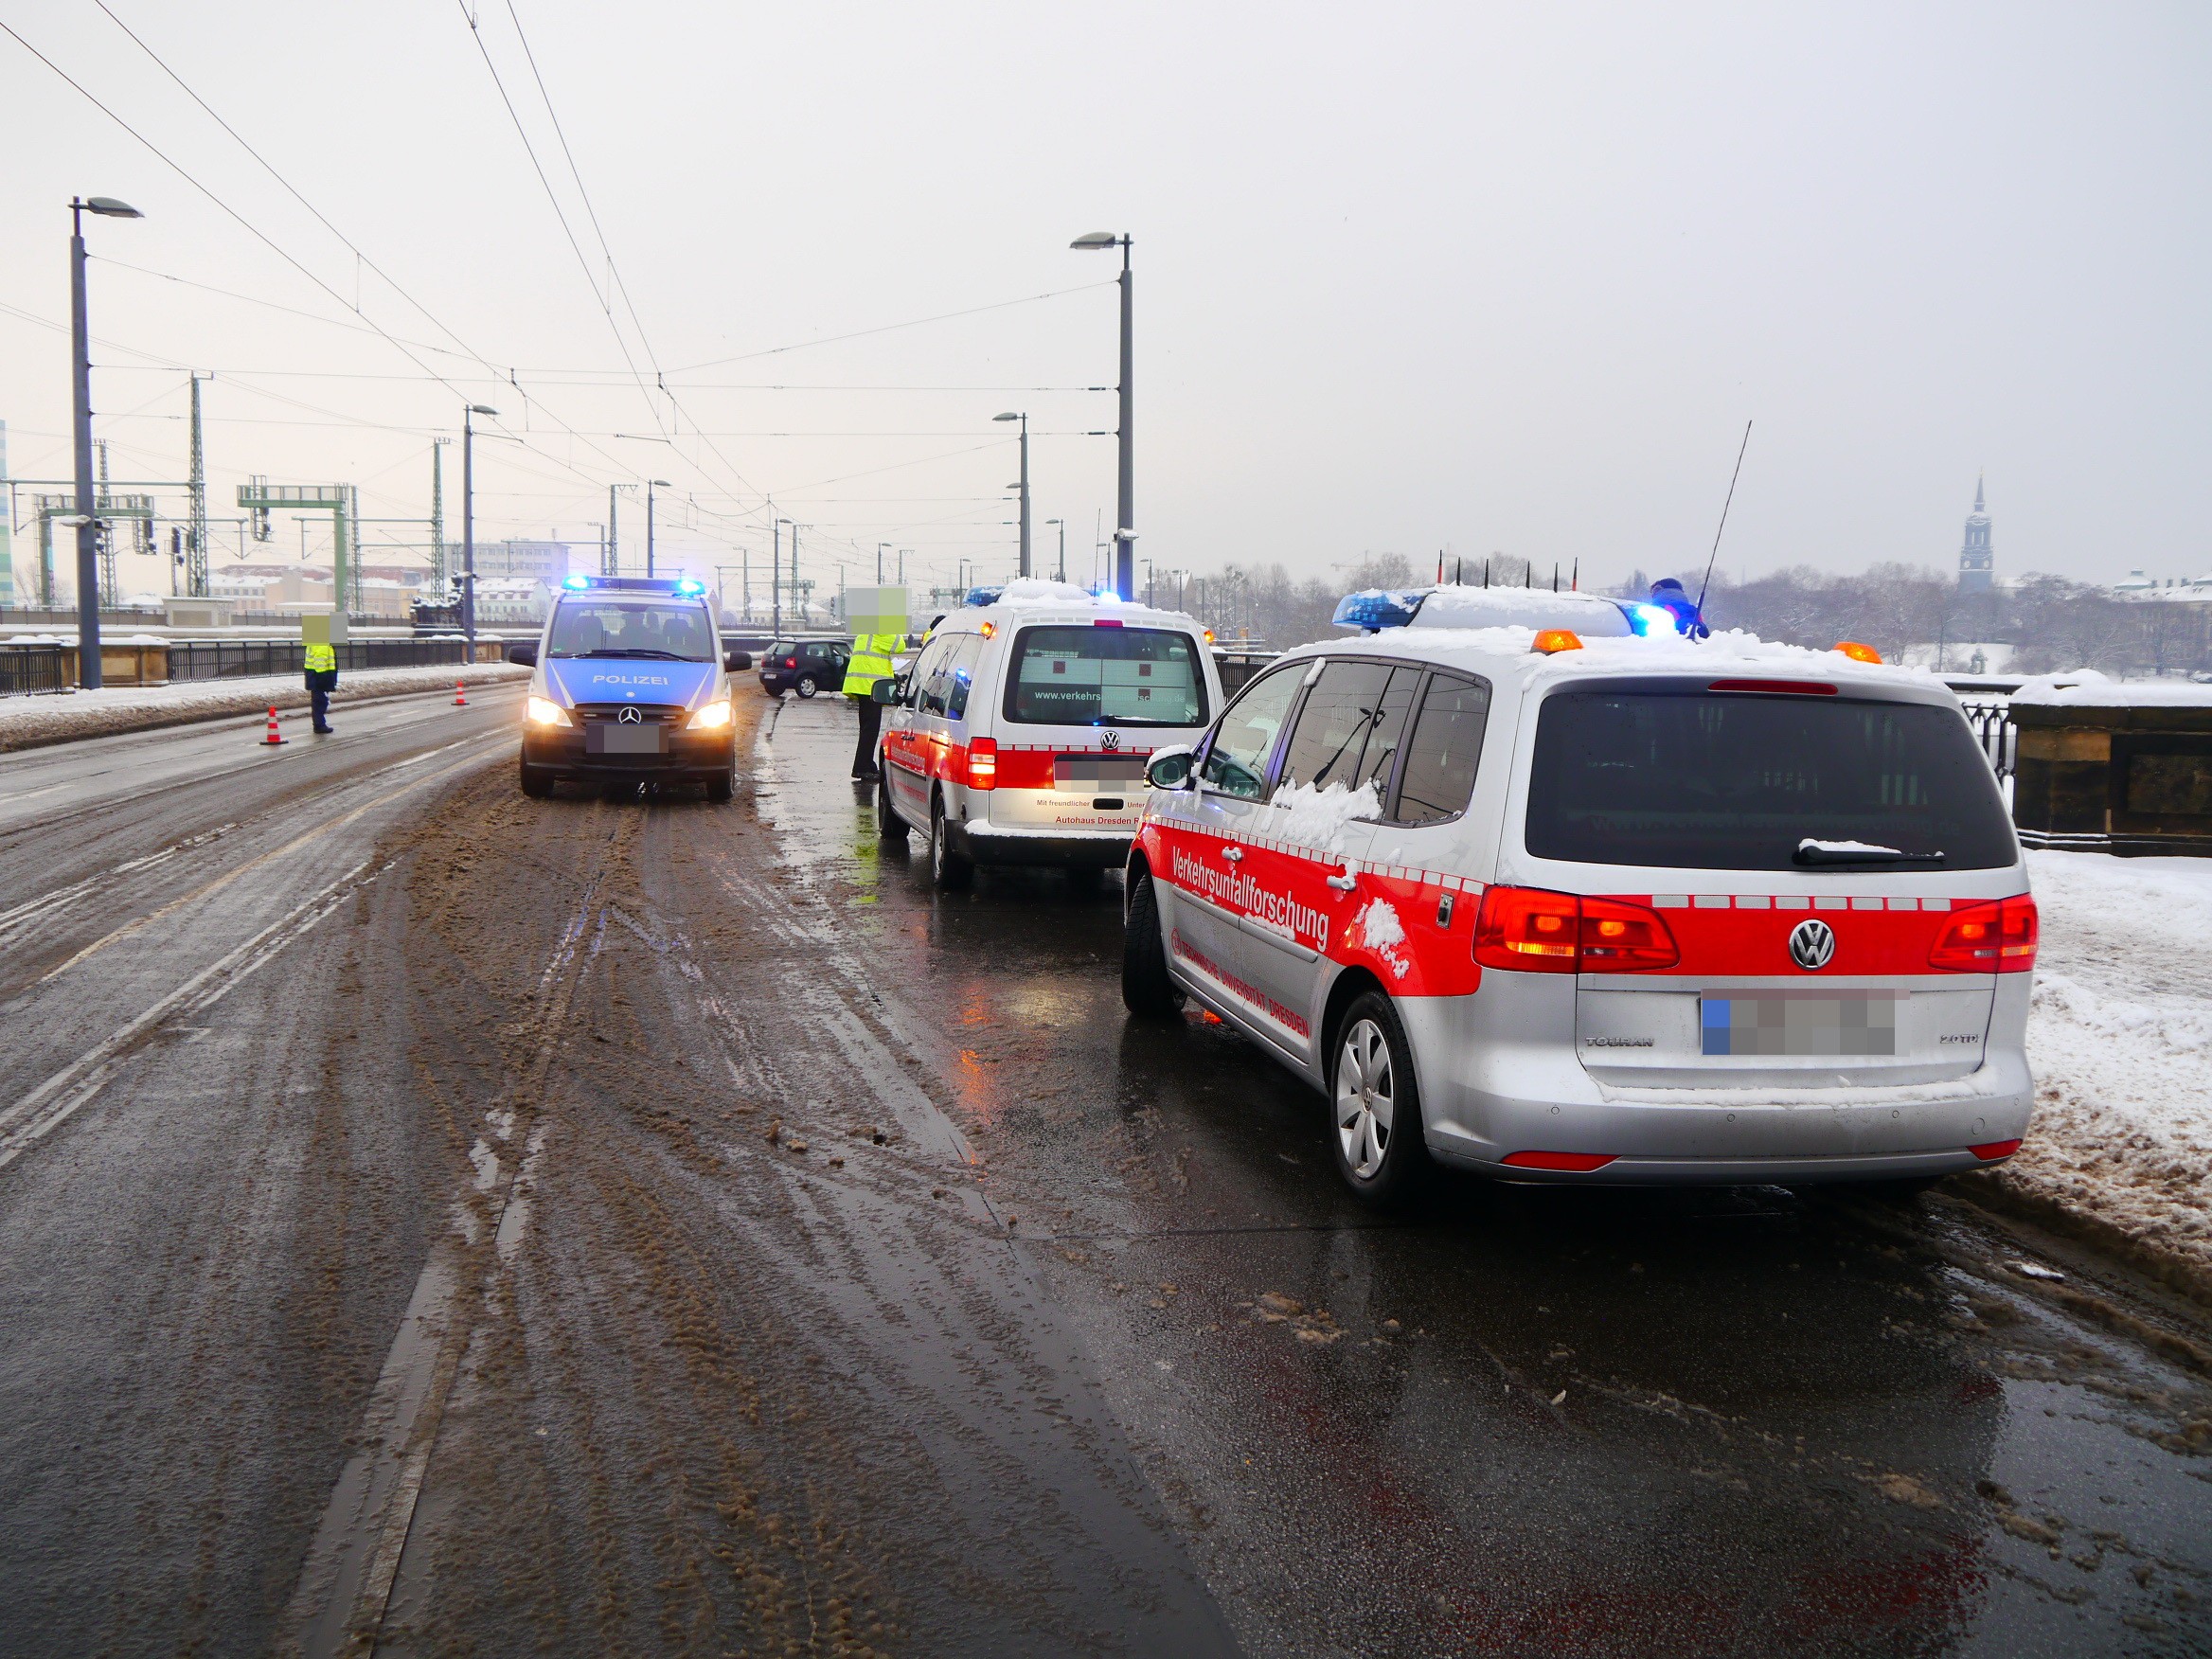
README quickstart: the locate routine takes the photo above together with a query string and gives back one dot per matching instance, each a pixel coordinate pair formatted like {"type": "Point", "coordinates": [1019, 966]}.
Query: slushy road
{"type": "Point", "coordinates": [437, 1221]}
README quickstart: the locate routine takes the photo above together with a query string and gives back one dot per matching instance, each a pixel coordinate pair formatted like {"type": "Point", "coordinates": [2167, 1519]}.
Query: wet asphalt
{"type": "Point", "coordinates": [447, 1223]}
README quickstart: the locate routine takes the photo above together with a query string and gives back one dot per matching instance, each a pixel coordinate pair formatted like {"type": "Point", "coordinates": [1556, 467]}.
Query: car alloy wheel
{"type": "Point", "coordinates": [807, 686]}
{"type": "Point", "coordinates": [1365, 1099]}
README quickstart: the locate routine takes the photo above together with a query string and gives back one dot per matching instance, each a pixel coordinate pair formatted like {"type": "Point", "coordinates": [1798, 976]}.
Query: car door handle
{"type": "Point", "coordinates": [1233, 854]}
{"type": "Point", "coordinates": [1344, 881]}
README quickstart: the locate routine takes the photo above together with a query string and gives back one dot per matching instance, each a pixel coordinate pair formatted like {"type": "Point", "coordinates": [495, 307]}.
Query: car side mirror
{"type": "Point", "coordinates": [736, 660]}
{"type": "Point", "coordinates": [1169, 769]}
{"type": "Point", "coordinates": [885, 691]}
{"type": "Point", "coordinates": [523, 655]}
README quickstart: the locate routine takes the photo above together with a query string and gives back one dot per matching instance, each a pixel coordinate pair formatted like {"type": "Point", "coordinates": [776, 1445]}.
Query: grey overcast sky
{"type": "Point", "coordinates": [1480, 276]}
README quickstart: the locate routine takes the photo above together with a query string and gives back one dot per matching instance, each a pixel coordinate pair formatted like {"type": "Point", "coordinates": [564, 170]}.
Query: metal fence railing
{"type": "Point", "coordinates": [26, 669]}
{"type": "Point", "coordinates": [245, 660]}
{"type": "Point", "coordinates": [1995, 732]}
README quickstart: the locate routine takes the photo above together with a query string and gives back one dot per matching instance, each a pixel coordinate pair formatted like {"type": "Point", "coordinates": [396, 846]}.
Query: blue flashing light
{"type": "Point", "coordinates": [1374, 610]}
{"type": "Point", "coordinates": [576, 584]}
{"type": "Point", "coordinates": [1650, 619]}
{"type": "Point", "coordinates": [983, 596]}
{"type": "Point", "coordinates": [691, 586]}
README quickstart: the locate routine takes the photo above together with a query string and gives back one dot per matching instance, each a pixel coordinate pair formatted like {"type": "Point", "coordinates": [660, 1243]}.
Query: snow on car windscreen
{"type": "Point", "coordinates": [589, 627]}
{"type": "Point", "coordinates": [1712, 781]}
{"type": "Point", "coordinates": [1105, 676]}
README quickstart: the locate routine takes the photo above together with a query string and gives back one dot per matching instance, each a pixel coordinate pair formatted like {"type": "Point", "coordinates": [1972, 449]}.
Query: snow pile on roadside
{"type": "Point", "coordinates": [27, 723]}
{"type": "Point", "coordinates": [2120, 1041]}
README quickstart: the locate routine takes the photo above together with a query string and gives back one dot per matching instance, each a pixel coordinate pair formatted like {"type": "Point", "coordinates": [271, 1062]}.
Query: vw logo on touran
{"type": "Point", "coordinates": [1812, 944]}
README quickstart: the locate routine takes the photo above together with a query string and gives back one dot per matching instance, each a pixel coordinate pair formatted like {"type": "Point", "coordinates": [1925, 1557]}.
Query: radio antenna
{"type": "Point", "coordinates": [1715, 553]}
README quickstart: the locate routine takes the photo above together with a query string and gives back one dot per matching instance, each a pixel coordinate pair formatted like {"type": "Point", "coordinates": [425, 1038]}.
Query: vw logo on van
{"type": "Point", "coordinates": [1109, 738]}
{"type": "Point", "coordinates": [630, 717]}
{"type": "Point", "coordinates": [1812, 944]}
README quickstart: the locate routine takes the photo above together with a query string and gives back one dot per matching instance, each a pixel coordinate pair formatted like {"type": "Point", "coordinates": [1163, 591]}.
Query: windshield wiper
{"type": "Point", "coordinates": [617, 650]}
{"type": "Point", "coordinates": [1859, 852]}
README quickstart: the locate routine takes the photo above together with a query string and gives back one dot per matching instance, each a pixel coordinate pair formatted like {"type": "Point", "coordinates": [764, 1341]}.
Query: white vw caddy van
{"type": "Point", "coordinates": [1019, 734]}
{"type": "Point", "coordinates": [1601, 909]}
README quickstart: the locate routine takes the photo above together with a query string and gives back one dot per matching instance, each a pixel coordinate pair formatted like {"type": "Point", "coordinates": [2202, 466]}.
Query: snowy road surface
{"type": "Point", "coordinates": [437, 1221]}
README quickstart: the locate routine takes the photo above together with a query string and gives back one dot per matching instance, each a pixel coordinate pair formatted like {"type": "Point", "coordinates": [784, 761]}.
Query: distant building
{"type": "Point", "coordinates": [506, 601]}
{"type": "Point", "coordinates": [1977, 561]}
{"type": "Point", "coordinates": [545, 562]}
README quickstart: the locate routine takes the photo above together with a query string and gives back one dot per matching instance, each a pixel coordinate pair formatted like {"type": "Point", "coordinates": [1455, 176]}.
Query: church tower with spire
{"type": "Point", "coordinates": [1977, 563]}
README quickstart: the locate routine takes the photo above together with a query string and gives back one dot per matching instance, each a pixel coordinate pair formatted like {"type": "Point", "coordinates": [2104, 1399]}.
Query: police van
{"type": "Point", "coordinates": [1019, 734]}
{"type": "Point", "coordinates": [631, 686]}
{"type": "Point", "coordinates": [1534, 886]}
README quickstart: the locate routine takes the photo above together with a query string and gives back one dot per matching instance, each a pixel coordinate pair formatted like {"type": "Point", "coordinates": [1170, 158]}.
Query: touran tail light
{"type": "Point", "coordinates": [983, 763]}
{"type": "Point", "coordinates": [1536, 932]}
{"type": "Point", "coordinates": [1998, 937]}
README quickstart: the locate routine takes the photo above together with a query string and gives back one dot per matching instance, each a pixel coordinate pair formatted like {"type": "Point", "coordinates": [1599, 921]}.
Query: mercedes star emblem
{"type": "Point", "coordinates": [1812, 944]}
{"type": "Point", "coordinates": [630, 717]}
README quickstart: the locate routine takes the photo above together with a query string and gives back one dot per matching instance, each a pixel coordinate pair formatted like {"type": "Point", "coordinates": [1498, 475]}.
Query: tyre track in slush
{"type": "Point", "coordinates": [345, 1582]}
{"type": "Point", "coordinates": [741, 1398]}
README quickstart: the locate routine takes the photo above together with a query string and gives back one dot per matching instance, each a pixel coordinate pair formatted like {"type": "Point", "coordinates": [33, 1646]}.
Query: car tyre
{"type": "Point", "coordinates": [949, 870]}
{"type": "Point", "coordinates": [1146, 989]}
{"type": "Point", "coordinates": [891, 827]}
{"type": "Point", "coordinates": [722, 783]}
{"type": "Point", "coordinates": [1375, 1110]}
{"type": "Point", "coordinates": [807, 686]}
{"type": "Point", "coordinates": [537, 782]}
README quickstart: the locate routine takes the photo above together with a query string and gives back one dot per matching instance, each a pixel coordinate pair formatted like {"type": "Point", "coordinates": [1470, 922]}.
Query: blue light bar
{"type": "Point", "coordinates": [690, 586]}
{"type": "Point", "coordinates": [1374, 610]}
{"type": "Point", "coordinates": [1648, 619]}
{"type": "Point", "coordinates": [983, 596]}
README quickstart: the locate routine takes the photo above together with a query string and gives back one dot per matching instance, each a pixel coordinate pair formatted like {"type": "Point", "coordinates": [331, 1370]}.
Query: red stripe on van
{"type": "Point", "coordinates": [1744, 941]}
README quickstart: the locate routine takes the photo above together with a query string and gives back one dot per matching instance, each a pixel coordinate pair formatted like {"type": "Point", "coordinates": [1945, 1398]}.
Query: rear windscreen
{"type": "Point", "coordinates": [1706, 781]}
{"type": "Point", "coordinates": [1105, 676]}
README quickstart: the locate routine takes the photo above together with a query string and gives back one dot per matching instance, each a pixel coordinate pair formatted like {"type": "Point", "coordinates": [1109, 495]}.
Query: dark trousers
{"type": "Point", "coordinates": [871, 724]}
{"type": "Point", "coordinates": [320, 684]}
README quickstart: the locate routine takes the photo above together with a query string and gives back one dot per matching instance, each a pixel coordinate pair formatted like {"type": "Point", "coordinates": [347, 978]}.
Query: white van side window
{"type": "Point", "coordinates": [1235, 760]}
{"type": "Point", "coordinates": [1443, 752]}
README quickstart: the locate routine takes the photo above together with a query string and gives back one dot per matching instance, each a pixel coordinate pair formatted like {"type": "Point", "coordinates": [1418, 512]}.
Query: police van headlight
{"type": "Point", "coordinates": [545, 712]}
{"type": "Point", "coordinates": [713, 717]}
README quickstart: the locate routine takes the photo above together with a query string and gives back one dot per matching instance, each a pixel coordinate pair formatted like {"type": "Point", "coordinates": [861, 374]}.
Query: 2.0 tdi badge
{"type": "Point", "coordinates": [1812, 944]}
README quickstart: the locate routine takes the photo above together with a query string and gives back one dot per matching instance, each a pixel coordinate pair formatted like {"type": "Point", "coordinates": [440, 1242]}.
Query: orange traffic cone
{"type": "Point", "coordinates": [274, 738]}
{"type": "Point", "coordinates": [460, 699]}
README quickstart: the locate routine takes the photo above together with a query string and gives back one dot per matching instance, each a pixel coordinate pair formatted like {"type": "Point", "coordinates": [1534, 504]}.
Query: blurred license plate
{"type": "Point", "coordinates": [1800, 1022]}
{"type": "Point", "coordinates": [1090, 774]}
{"type": "Point", "coordinates": [622, 739]}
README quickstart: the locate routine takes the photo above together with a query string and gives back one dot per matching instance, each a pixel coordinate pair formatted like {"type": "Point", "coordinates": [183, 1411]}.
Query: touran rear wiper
{"type": "Point", "coordinates": [1859, 852]}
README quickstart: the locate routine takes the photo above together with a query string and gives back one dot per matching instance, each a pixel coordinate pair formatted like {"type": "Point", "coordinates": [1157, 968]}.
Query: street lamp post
{"type": "Point", "coordinates": [1023, 483]}
{"type": "Point", "coordinates": [1125, 495]}
{"type": "Point", "coordinates": [469, 521]}
{"type": "Point", "coordinates": [1062, 523]}
{"type": "Point", "coordinates": [651, 485]}
{"type": "Point", "coordinates": [88, 523]}
{"type": "Point", "coordinates": [776, 573]}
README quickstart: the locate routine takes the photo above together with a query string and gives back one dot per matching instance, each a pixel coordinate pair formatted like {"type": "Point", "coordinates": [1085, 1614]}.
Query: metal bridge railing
{"type": "Point", "coordinates": [245, 660]}
{"type": "Point", "coordinates": [26, 669]}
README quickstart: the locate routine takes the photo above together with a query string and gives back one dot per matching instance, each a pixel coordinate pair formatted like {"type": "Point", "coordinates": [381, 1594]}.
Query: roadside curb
{"type": "Point", "coordinates": [73, 725]}
{"type": "Point", "coordinates": [1992, 1191]}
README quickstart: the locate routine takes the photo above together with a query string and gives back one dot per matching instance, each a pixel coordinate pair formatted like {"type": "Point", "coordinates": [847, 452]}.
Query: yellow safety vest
{"type": "Point", "coordinates": [870, 662]}
{"type": "Point", "coordinates": [322, 659]}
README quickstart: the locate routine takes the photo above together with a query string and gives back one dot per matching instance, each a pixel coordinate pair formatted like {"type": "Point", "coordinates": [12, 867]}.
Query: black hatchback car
{"type": "Point", "coordinates": [805, 665]}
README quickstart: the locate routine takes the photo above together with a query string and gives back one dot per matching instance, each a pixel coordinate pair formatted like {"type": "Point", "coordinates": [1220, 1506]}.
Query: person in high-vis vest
{"type": "Point", "coordinates": [322, 679]}
{"type": "Point", "coordinates": [870, 662]}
